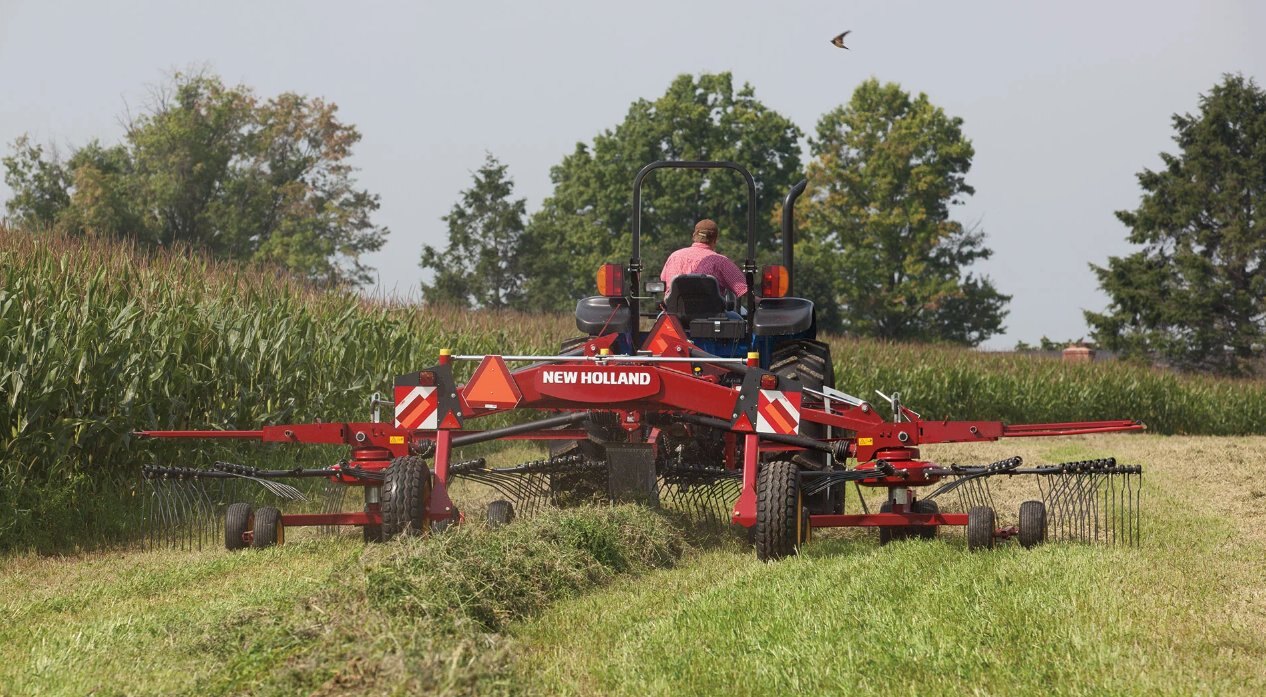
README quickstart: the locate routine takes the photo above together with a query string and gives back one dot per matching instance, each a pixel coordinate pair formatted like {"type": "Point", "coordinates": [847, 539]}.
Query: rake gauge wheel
{"type": "Point", "coordinates": [926, 532]}
{"type": "Point", "coordinates": [268, 528]}
{"type": "Point", "coordinates": [981, 523]}
{"type": "Point", "coordinates": [238, 520]}
{"type": "Point", "coordinates": [894, 533]}
{"type": "Point", "coordinates": [780, 520]}
{"type": "Point", "coordinates": [1032, 524]}
{"type": "Point", "coordinates": [500, 512]}
{"type": "Point", "coordinates": [406, 490]}
{"type": "Point", "coordinates": [443, 524]}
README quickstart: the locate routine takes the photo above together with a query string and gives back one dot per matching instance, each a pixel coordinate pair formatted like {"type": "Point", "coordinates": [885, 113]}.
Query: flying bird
{"type": "Point", "coordinates": [839, 40]}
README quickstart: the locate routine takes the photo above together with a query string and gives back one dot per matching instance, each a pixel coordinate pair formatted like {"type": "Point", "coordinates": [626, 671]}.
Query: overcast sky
{"type": "Point", "coordinates": [1064, 102]}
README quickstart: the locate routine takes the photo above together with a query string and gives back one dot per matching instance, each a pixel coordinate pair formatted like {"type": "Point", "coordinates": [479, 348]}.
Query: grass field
{"type": "Point", "coordinates": [609, 606]}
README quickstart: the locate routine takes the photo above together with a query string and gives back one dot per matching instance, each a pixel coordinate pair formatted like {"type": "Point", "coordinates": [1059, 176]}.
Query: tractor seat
{"type": "Point", "coordinates": [694, 296]}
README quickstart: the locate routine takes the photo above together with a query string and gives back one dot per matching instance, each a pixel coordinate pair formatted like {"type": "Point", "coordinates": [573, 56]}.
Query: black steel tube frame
{"type": "Point", "coordinates": [160, 472]}
{"type": "Point", "coordinates": [635, 262]}
{"type": "Point", "coordinates": [799, 441]}
{"type": "Point", "coordinates": [789, 231]}
{"type": "Point", "coordinates": [495, 433]}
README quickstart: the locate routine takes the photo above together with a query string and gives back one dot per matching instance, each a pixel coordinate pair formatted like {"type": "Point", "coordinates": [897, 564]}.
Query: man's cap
{"type": "Point", "coordinates": [705, 232]}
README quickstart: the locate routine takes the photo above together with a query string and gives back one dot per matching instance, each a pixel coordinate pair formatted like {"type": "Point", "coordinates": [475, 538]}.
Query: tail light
{"type": "Point", "coordinates": [768, 381]}
{"type": "Point", "coordinates": [611, 280]}
{"type": "Point", "coordinates": [774, 281]}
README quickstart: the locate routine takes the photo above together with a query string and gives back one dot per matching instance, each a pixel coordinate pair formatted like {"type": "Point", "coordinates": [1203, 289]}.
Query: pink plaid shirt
{"type": "Point", "coordinates": [700, 258]}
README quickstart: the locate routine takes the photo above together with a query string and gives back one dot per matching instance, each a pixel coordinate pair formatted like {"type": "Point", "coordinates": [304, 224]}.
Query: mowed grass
{"type": "Point", "coordinates": [1183, 613]}
{"type": "Point", "coordinates": [320, 615]}
{"type": "Point", "coordinates": [600, 601]}
{"type": "Point", "coordinates": [162, 622]}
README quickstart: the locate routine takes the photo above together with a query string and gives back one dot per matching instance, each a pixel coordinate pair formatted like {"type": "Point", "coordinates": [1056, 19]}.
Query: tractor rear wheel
{"type": "Point", "coordinates": [573, 343]}
{"type": "Point", "coordinates": [239, 518]}
{"type": "Point", "coordinates": [500, 512]}
{"type": "Point", "coordinates": [406, 490]}
{"type": "Point", "coordinates": [981, 523]}
{"type": "Point", "coordinates": [780, 522]}
{"type": "Point", "coordinates": [808, 363]}
{"type": "Point", "coordinates": [1032, 524]}
{"type": "Point", "coordinates": [269, 530]}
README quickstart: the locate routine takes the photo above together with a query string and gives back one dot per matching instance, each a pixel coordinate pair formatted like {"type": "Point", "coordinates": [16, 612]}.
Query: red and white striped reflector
{"type": "Point", "coordinates": [417, 408]}
{"type": "Point", "coordinates": [778, 412]}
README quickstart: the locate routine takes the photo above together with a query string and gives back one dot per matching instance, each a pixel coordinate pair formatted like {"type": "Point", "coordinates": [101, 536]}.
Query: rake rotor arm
{"type": "Point", "coordinates": [1071, 428]}
{"type": "Point", "coordinates": [357, 435]}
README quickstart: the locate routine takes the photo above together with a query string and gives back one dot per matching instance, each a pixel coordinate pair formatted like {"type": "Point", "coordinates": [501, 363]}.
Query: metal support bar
{"type": "Point", "coordinates": [799, 441]}
{"type": "Point", "coordinates": [495, 433]}
{"type": "Point", "coordinates": [704, 358]}
{"type": "Point", "coordinates": [877, 520]}
{"type": "Point", "coordinates": [744, 512]}
{"type": "Point", "coordinates": [297, 520]}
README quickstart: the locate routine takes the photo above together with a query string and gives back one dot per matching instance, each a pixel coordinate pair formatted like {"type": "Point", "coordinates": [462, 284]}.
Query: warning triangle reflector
{"type": "Point", "coordinates": [450, 421]}
{"type": "Point", "coordinates": [492, 387]}
{"type": "Point", "coordinates": [666, 332]}
{"type": "Point", "coordinates": [742, 423]}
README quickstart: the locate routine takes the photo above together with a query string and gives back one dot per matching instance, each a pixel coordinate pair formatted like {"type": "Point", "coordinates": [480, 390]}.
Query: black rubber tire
{"type": "Point", "coordinates": [1032, 524]}
{"type": "Point", "coordinates": [444, 524]}
{"type": "Point", "coordinates": [779, 522]}
{"type": "Point", "coordinates": [891, 534]}
{"type": "Point", "coordinates": [981, 523]}
{"type": "Point", "coordinates": [812, 359]}
{"type": "Point", "coordinates": [922, 532]}
{"type": "Point", "coordinates": [269, 530]}
{"type": "Point", "coordinates": [808, 363]}
{"type": "Point", "coordinates": [925, 532]}
{"type": "Point", "coordinates": [500, 512]}
{"type": "Point", "coordinates": [406, 491]}
{"type": "Point", "coordinates": [239, 518]}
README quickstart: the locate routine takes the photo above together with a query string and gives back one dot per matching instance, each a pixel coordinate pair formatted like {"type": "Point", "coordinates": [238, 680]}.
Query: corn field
{"type": "Point", "coordinates": [98, 339]}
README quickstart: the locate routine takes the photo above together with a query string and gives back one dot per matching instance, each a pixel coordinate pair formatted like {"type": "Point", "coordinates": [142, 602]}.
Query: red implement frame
{"type": "Point", "coordinates": [668, 382]}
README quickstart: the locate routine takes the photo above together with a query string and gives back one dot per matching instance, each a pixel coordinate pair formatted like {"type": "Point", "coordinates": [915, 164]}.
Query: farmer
{"type": "Point", "coordinates": [702, 257]}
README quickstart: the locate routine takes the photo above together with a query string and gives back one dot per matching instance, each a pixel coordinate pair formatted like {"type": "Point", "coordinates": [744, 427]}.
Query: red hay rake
{"type": "Point", "coordinates": [731, 416]}
{"type": "Point", "coordinates": [716, 435]}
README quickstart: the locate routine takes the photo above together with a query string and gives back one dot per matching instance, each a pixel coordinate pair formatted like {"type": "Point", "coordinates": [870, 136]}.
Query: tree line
{"type": "Point", "coordinates": [878, 248]}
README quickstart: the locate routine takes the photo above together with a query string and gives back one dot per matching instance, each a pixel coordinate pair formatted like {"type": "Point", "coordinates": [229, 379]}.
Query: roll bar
{"type": "Point", "coordinates": [635, 262]}
{"type": "Point", "coordinates": [789, 231]}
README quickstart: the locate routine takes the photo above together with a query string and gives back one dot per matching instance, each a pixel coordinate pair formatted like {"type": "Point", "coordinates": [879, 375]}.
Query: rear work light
{"type": "Point", "coordinates": [611, 280]}
{"type": "Point", "coordinates": [774, 281]}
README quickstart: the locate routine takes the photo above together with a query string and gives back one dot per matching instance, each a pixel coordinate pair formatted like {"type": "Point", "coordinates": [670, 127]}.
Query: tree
{"type": "Point", "coordinates": [877, 248]}
{"type": "Point", "coordinates": [216, 168]}
{"type": "Point", "coordinates": [588, 218]}
{"type": "Point", "coordinates": [1195, 294]}
{"type": "Point", "coordinates": [480, 266]}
